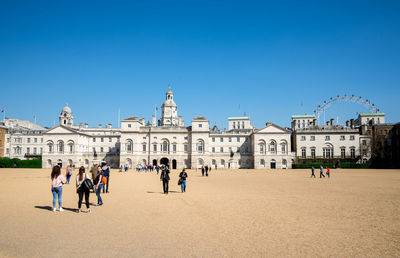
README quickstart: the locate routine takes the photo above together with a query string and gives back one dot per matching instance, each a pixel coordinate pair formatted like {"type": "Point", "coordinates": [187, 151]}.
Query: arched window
{"type": "Point", "coordinates": [129, 146]}
{"type": "Point", "coordinates": [262, 163]}
{"type": "Point", "coordinates": [222, 163]}
{"type": "Point", "coordinates": [213, 162]}
{"type": "Point", "coordinates": [272, 146]}
{"type": "Point", "coordinates": [200, 146]}
{"type": "Point", "coordinates": [70, 146]}
{"type": "Point", "coordinates": [165, 146]}
{"type": "Point", "coordinates": [50, 146]}
{"type": "Point", "coordinates": [261, 148]}
{"type": "Point", "coordinates": [49, 163]}
{"type": "Point", "coordinates": [284, 163]}
{"type": "Point", "coordinates": [283, 148]}
{"type": "Point", "coordinates": [200, 162]}
{"type": "Point", "coordinates": [61, 146]}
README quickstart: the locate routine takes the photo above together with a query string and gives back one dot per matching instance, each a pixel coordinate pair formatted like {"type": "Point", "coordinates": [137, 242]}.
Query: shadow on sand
{"type": "Point", "coordinates": [51, 209]}
{"type": "Point", "coordinates": [162, 192]}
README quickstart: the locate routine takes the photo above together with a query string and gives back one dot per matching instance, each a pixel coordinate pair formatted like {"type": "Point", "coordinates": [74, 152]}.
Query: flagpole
{"type": "Point", "coordinates": [119, 117]}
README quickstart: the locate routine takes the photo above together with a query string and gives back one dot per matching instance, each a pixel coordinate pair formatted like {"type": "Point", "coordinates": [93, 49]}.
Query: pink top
{"type": "Point", "coordinates": [58, 181]}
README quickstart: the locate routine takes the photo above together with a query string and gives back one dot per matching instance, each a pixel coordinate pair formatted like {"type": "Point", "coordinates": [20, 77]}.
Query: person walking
{"type": "Point", "coordinates": [165, 178]}
{"type": "Point", "coordinates": [321, 172]}
{"type": "Point", "coordinates": [81, 189]}
{"type": "Point", "coordinates": [57, 180]}
{"type": "Point", "coordinates": [99, 185]}
{"type": "Point", "coordinates": [157, 169]}
{"type": "Point", "coordinates": [312, 172]}
{"type": "Point", "coordinates": [68, 173]}
{"type": "Point", "coordinates": [206, 168]}
{"type": "Point", "coordinates": [183, 175]}
{"type": "Point", "coordinates": [328, 172]}
{"type": "Point", "coordinates": [106, 171]}
{"type": "Point", "coordinates": [202, 170]}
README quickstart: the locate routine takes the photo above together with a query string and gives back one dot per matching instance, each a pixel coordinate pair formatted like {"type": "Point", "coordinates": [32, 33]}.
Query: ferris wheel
{"type": "Point", "coordinates": [353, 99]}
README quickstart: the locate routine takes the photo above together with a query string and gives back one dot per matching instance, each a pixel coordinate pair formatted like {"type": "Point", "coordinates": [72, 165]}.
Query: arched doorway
{"type": "Point", "coordinates": [154, 162]}
{"type": "Point", "coordinates": [174, 164]}
{"type": "Point", "coordinates": [273, 164]}
{"type": "Point", "coordinates": [164, 161]}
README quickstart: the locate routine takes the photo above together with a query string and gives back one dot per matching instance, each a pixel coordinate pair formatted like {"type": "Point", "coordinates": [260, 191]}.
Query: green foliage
{"type": "Point", "coordinates": [9, 163]}
{"type": "Point", "coordinates": [315, 165]}
{"type": "Point", "coordinates": [354, 165]}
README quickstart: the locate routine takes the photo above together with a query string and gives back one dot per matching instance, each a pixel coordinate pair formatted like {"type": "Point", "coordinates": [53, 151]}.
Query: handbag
{"type": "Point", "coordinates": [180, 181]}
{"type": "Point", "coordinates": [87, 183]}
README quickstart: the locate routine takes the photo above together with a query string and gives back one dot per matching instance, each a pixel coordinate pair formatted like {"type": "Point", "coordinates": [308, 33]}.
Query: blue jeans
{"type": "Point", "coordinates": [183, 186]}
{"type": "Point", "coordinates": [99, 200]}
{"type": "Point", "coordinates": [105, 187]}
{"type": "Point", "coordinates": [68, 178]}
{"type": "Point", "coordinates": [57, 192]}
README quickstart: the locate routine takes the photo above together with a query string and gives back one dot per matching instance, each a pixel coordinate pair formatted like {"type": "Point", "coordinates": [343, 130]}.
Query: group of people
{"type": "Point", "coordinates": [84, 184]}
{"type": "Point", "coordinates": [164, 177]}
{"type": "Point", "coordinates": [321, 172]}
{"type": "Point", "coordinates": [205, 169]}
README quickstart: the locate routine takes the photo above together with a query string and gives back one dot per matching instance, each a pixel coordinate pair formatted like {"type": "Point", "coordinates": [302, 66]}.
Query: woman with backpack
{"type": "Point", "coordinates": [82, 189]}
{"type": "Point", "coordinates": [99, 185]}
{"type": "Point", "coordinates": [68, 174]}
{"type": "Point", "coordinates": [57, 180]}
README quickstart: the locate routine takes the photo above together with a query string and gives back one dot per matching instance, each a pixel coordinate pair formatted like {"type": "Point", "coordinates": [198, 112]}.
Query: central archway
{"type": "Point", "coordinates": [164, 161]}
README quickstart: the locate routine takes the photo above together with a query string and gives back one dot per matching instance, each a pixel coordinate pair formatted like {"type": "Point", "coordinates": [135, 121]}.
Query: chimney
{"type": "Point", "coordinates": [109, 125]}
{"type": "Point", "coordinates": [99, 125]}
{"type": "Point", "coordinates": [347, 123]}
{"type": "Point", "coordinates": [153, 120]}
{"type": "Point", "coordinates": [332, 122]}
{"type": "Point", "coordinates": [86, 125]}
{"type": "Point", "coordinates": [352, 123]}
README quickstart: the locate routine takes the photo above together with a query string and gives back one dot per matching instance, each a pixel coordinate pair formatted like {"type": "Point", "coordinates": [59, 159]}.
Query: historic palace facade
{"type": "Point", "coordinates": [168, 141]}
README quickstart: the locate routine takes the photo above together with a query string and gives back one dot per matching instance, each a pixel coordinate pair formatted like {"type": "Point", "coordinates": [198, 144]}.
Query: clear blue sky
{"type": "Point", "coordinates": [274, 58]}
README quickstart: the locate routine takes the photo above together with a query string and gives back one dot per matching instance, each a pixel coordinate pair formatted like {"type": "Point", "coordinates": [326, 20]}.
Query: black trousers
{"type": "Point", "coordinates": [82, 192]}
{"type": "Point", "coordinates": [165, 185]}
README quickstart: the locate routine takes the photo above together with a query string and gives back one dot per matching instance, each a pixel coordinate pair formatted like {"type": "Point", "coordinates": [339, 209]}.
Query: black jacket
{"type": "Point", "coordinates": [165, 174]}
{"type": "Point", "coordinates": [183, 175]}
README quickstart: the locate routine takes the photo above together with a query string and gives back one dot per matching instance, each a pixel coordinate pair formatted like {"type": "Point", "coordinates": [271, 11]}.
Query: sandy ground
{"type": "Point", "coordinates": [355, 213]}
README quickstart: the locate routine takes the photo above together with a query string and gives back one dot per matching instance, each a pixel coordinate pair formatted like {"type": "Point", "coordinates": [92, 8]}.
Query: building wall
{"type": "Point", "coordinates": [3, 132]}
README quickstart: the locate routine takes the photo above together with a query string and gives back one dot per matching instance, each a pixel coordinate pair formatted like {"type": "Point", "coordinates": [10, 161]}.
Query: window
{"type": "Point", "coordinates": [61, 147]}
{"type": "Point", "coordinates": [221, 149]}
{"type": "Point", "coordinates": [94, 150]}
{"type": "Point", "coordinates": [129, 146]}
{"type": "Point", "coordinates": [328, 153]}
{"type": "Point", "coordinates": [200, 125]}
{"type": "Point", "coordinates": [262, 163]}
{"type": "Point", "coordinates": [144, 147]}
{"type": "Point", "coordinates": [327, 138]}
{"type": "Point", "coordinates": [303, 153]}
{"type": "Point", "coordinates": [238, 139]}
{"type": "Point", "coordinates": [261, 148]}
{"type": "Point", "coordinates": [28, 150]}
{"type": "Point", "coordinates": [28, 140]}
{"type": "Point", "coordinates": [94, 139]}
{"type": "Point", "coordinates": [213, 149]}
{"type": "Point", "coordinates": [185, 148]}
{"type": "Point", "coordinates": [102, 139]}
{"type": "Point", "coordinates": [200, 146]}
{"type": "Point", "coordinates": [101, 149]}
{"type": "Point", "coordinates": [41, 140]}
{"type": "Point", "coordinates": [165, 146]}
{"type": "Point", "coordinates": [230, 139]}
{"type": "Point", "coordinates": [7, 151]}
{"type": "Point", "coordinates": [155, 147]}
{"type": "Point", "coordinates": [312, 138]}
{"type": "Point", "coordinates": [283, 148]}
{"type": "Point", "coordinates": [35, 140]}
{"type": "Point", "coordinates": [213, 139]}
{"type": "Point", "coordinates": [351, 137]}
{"type": "Point", "coordinates": [234, 125]}
{"type": "Point", "coordinates": [109, 149]}
{"type": "Point", "coordinates": [50, 148]}
{"type": "Point", "coordinates": [129, 125]}
{"type": "Point", "coordinates": [230, 149]}
{"type": "Point", "coordinates": [364, 142]}
{"type": "Point", "coordinates": [174, 147]}
{"type": "Point", "coordinates": [303, 138]}
{"type": "Point", "coordinates": [272, 147]}
{"type": "Point", "coordinates": [70, 147]}
{"type": "Point", "coordinates": [242, 125]}
{"type": "Point", "coordinates": [343, 153]}
{"type": "Point", "coordinates": [110, 139]}
{"type": "Point", "coordinates": [41, 150]}
{"type": "Point", "coordinates": [313, 153]}
{"type": "Point", "coordinates": [221, 139]}
{"type": "Point", "coordinates": [352, 153]}
{"type": "Point", "coordinates": [342, 138]}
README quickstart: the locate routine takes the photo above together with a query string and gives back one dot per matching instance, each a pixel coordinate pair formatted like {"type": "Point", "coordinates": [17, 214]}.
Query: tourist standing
{"type": "Point", "coordinates": [157, 169]}
{"type": "Point", "coordinates": [165, 178]}
{"type": "Point", "coordinates": [81, 189]}
{"type": "Point", "coordinates": [202, 170]}
{"type": "Point", "coordinates": [328, 172]}
{"type": "Point", "coordinates": [312, 172]}
{"type": "Point", "coordinates": [321, 172]}
{"type": "Point", "coordinates": [206, 170]}
{"type": "Point", "coordinates": [106, 171]}
{"type": "Point", "coordinates": [183, 175]}
{"type": "Point", "coordinates": [94, 171]}
{"type": "Point", "coordinates": [99, 185]}
{"type": "Point", "coordinates": [68, 173]}
{"type": "Point", "coordinates": [57, 180]}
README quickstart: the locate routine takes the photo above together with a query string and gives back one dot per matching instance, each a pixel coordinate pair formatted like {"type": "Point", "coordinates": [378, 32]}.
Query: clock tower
{"type": "Point", "coordinates": [169, 110]}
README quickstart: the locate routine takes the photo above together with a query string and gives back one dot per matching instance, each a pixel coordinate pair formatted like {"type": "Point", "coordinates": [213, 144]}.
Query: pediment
{"type": "Point", "coordinates": [61, 130]}
{"type": "Point", "coordinates": [273, 128]}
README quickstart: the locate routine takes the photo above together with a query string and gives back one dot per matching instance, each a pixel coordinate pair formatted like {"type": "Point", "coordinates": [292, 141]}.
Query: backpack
{"type": "Point", "coordinates": [104, 180]}
{"type": "Point", "coordinates": [87, 183]}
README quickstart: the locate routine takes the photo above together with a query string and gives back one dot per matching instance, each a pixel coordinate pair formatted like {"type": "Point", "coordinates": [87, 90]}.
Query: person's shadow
{"type": "Point", "coordinates": [51, 209]}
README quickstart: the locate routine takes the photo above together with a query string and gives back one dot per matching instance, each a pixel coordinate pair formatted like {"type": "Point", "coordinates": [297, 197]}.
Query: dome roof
{"type": "Point", "coordinates": [66, 109]}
